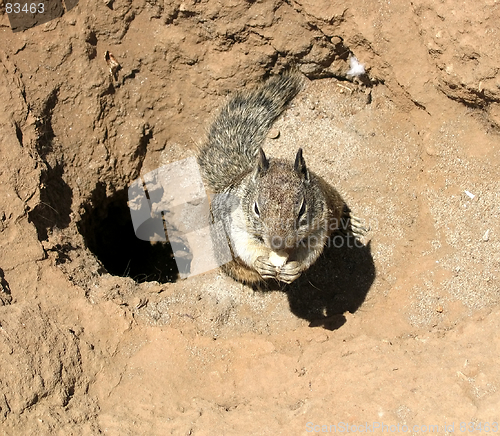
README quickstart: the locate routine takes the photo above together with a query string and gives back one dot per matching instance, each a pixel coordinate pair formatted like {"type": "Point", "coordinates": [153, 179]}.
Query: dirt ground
{"type": "Point", "coordinates": [98, 336]}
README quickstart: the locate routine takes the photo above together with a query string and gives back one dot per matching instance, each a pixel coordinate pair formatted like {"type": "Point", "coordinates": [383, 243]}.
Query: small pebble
{"type": "Point", "coordinates": [431, 151]}
{"type": "Point", "coordinates": [486, 236]}
{"type": "Point", "coordinates": [321, 338]}
{"type": "Point", "coordinates": [273, 134]}
{"type": "Point", "coordinates": [470, 194]}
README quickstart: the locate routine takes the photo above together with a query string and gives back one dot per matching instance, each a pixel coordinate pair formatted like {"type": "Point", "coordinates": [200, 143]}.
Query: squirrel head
{"type": "Point", "coordinates": [282, 204]}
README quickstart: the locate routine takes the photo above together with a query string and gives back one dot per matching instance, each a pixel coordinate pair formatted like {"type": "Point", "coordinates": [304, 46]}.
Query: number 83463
{"type": "Point", "coordinates": [26, 8]}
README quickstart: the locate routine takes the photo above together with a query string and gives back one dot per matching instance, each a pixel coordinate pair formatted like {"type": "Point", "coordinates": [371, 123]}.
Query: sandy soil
{"type": "Point", "coordinates": [98, 336]}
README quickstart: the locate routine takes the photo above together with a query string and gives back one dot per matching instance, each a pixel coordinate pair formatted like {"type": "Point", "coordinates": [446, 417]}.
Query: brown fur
{"type": "Point", "coordinates": [266, 205]}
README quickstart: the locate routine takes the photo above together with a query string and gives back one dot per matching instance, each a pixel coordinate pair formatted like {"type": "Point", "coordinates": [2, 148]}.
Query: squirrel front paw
{"type": "Point", "coordinates": [265, 268]}
{"type": "Point", "coordinates": [289, 272]}
{"type": "Point", "coordinates": [286, 273]}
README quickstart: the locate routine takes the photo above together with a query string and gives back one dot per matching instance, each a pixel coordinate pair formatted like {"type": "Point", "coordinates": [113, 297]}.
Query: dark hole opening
{"type": "Point", "coordinates": [54, 208]}
{"type": "Point", "coordinates": [109, 233]}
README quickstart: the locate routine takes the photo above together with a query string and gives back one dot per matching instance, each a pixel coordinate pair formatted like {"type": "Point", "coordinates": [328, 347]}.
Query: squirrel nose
{"type": "Point", "coordinates": [279, 243]}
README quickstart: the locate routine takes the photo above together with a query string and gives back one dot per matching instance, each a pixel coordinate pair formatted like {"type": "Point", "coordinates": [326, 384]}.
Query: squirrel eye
{"type": "Point", "coordinates": [256, 209]}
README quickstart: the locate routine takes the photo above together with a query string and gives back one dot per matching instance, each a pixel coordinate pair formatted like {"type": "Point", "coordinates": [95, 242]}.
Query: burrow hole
{"type": "Point", "coordinates": [109, 233]}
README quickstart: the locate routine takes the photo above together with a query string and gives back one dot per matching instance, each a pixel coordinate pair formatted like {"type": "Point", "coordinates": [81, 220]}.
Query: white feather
{"type": "Point", "coordinates": [356, 69]}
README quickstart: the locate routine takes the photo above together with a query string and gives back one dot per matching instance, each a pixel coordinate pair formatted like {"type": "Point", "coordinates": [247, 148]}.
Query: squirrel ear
{"type": "Point", "coordinates": [263, 160]}
{"type": "Point", "coordinates": [300, 166]}
{"type": "Point", "coordinates": [262, 163]}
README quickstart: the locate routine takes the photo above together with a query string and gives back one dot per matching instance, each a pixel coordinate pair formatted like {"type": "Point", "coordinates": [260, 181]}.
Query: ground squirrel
{"type": "Point", "coordinates": [277, 215]}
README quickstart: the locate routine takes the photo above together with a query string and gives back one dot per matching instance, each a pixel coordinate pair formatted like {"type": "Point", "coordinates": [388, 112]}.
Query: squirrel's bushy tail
{"type": "Point", "coordinates": [240, 128]}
